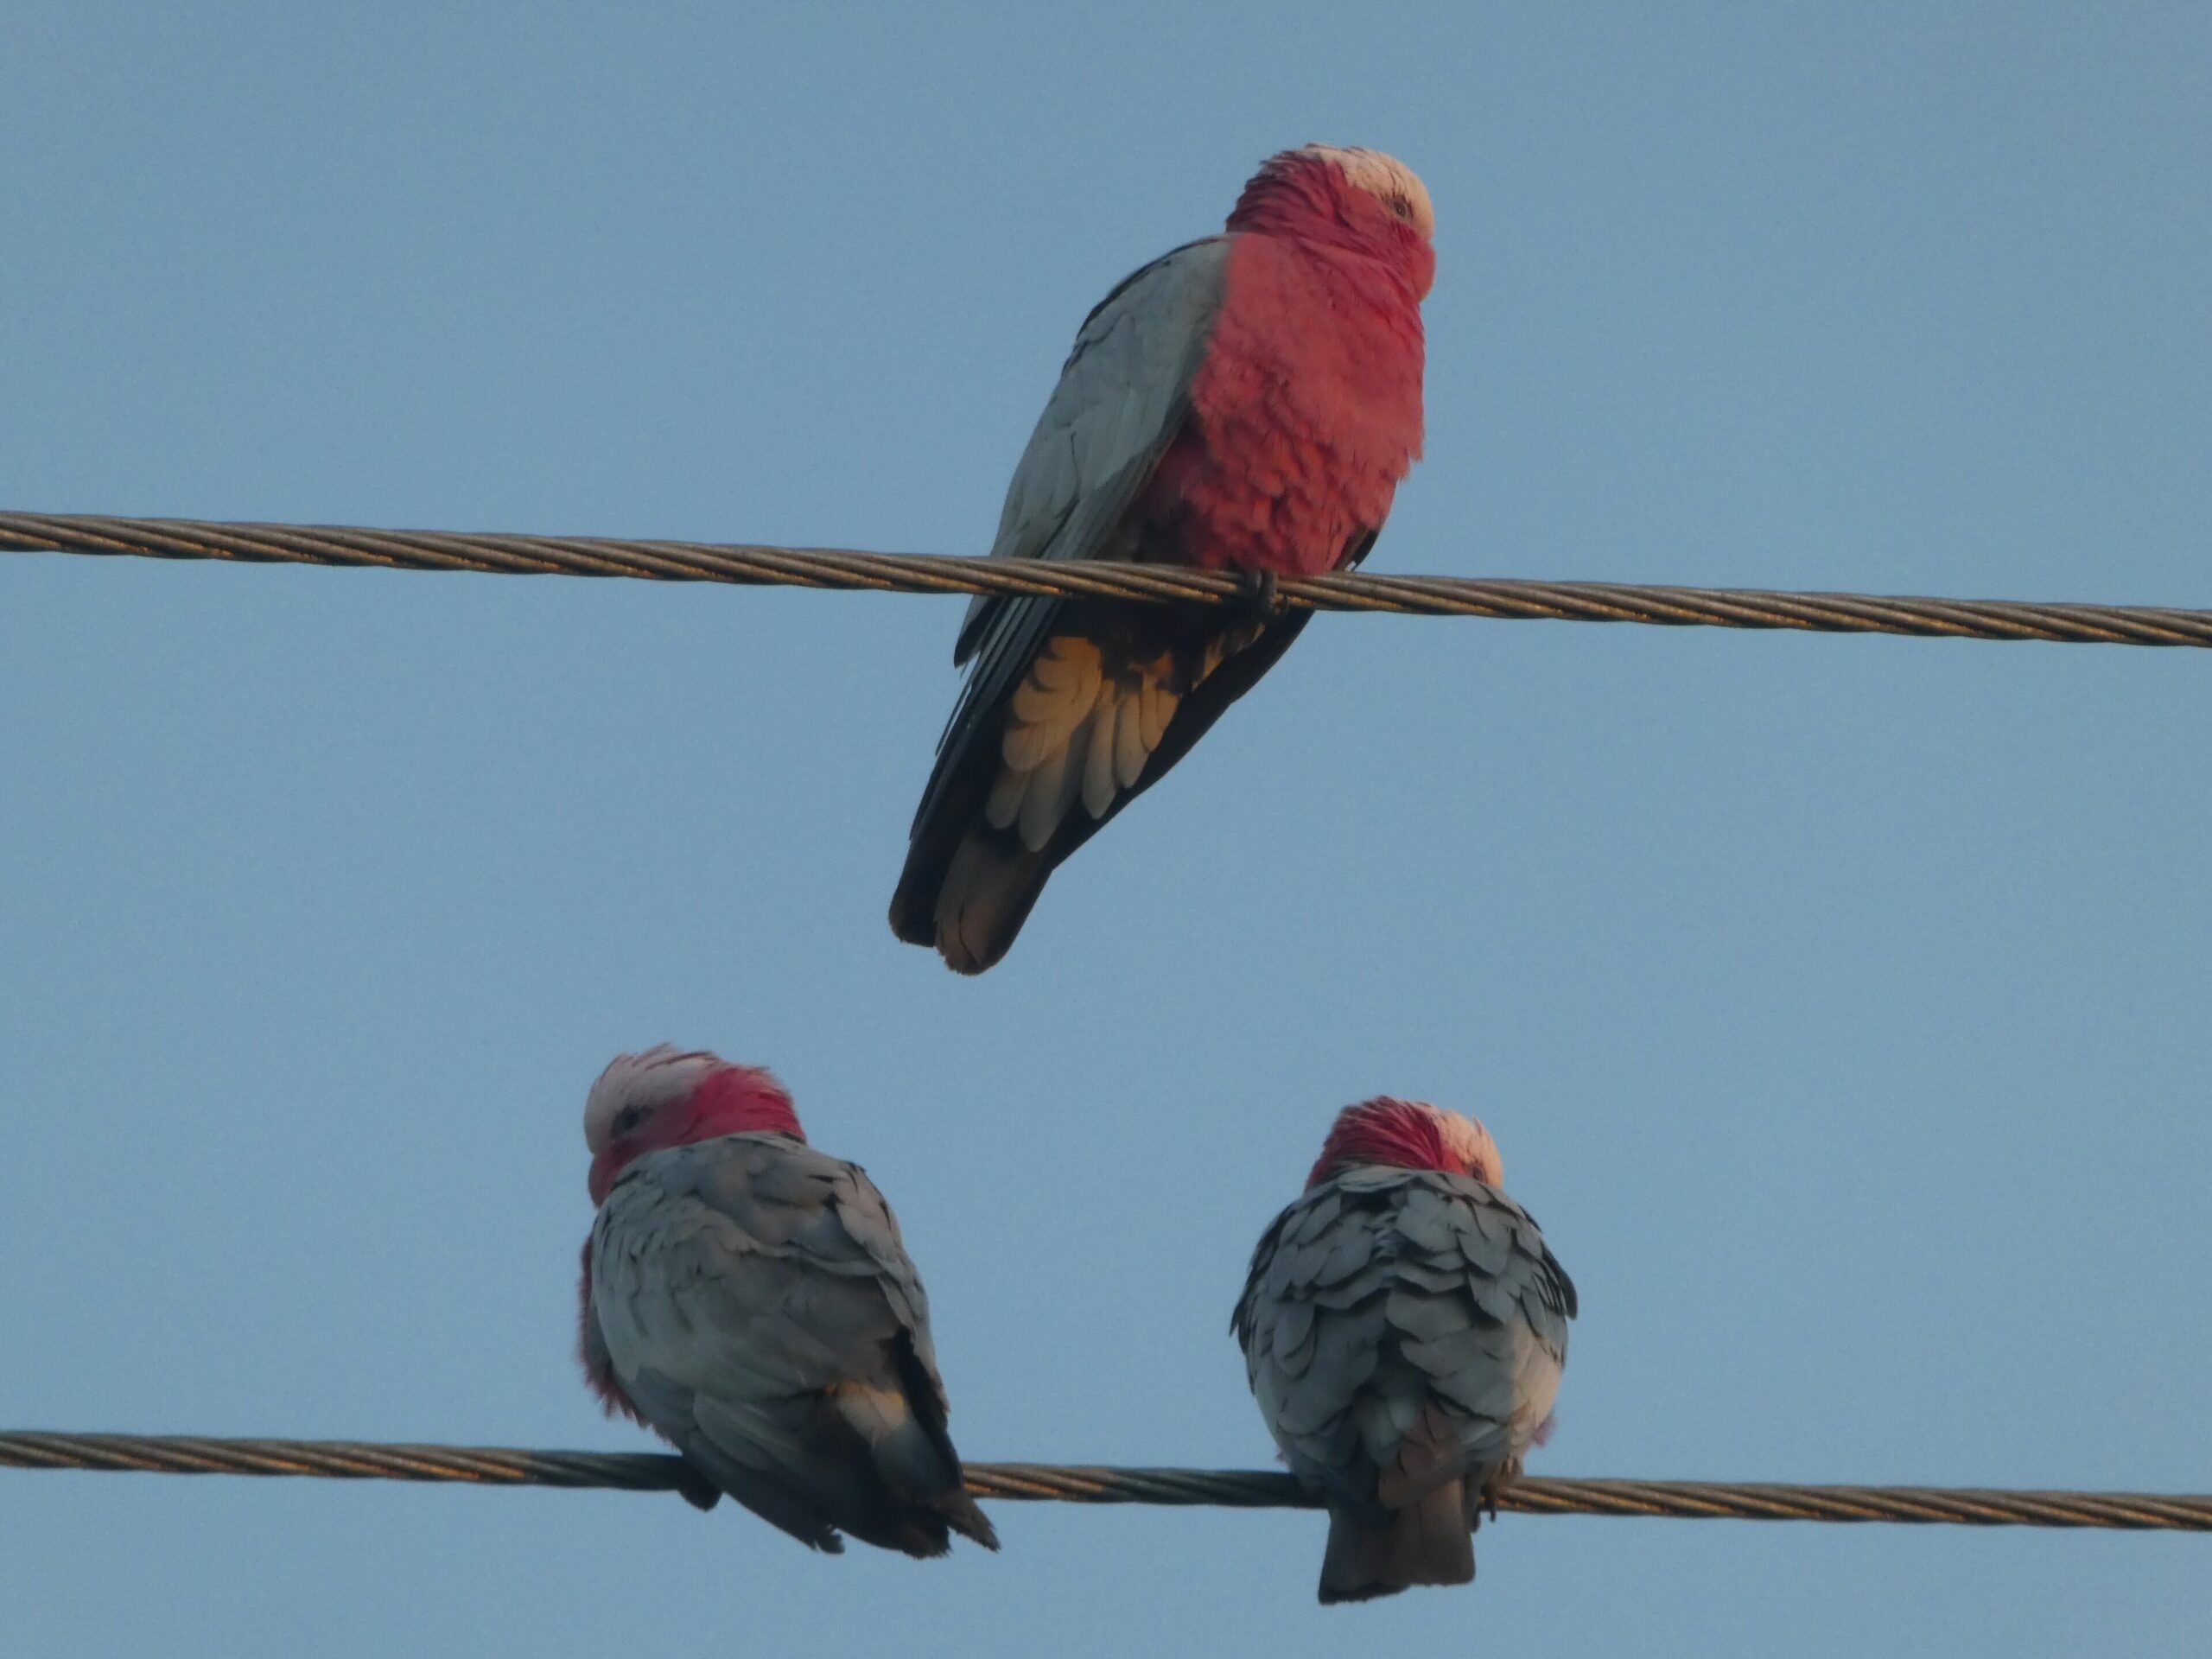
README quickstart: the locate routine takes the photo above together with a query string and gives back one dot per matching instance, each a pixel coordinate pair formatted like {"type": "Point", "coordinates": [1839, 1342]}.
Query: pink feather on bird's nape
{"type": "Point", "coordinates": [1306, 411]}
{"type": "Point", "coordinates": [738, 1098]}
{"type": "Point", "coordinates": [1409, 1135]}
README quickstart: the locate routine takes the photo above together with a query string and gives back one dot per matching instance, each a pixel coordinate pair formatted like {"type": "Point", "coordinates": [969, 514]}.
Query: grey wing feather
{"type": "Point", "coordinates": [722, 1261]}
{"type": "Point", "coordinates": [865, 1216]}
{"type": "Point", "coordinates": [1122, 398]}
{"type": "Point", "coordinates": [1530, 1273]}
{"type": "Point", "coordinates": [752, 1254]}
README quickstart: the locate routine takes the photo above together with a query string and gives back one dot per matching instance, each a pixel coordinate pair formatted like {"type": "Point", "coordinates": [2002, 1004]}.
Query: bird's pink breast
{"type": "Point", "coordinates": [1306, 411]}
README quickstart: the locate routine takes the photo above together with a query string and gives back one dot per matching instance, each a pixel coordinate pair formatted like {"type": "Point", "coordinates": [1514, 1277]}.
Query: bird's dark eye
{"type": "Point", "coordinates": [628, 1119]}
{"type": "Point", "coordinates": [1402, 208]}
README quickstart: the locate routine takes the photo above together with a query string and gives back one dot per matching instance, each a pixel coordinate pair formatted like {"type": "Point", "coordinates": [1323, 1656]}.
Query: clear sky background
{"type": "Point", "coordinates": [1839, 1005]}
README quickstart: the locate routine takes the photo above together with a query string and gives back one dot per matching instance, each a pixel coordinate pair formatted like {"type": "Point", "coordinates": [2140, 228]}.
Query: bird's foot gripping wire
{"type": "Point", "coordinates": [1259, 596]}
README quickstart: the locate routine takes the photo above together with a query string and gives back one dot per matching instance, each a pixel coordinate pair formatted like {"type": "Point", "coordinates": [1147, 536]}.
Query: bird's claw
{"type": "Point", "coordinates": [1260, 595]}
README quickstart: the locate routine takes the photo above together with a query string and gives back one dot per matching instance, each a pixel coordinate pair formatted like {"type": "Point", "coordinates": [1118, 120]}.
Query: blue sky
{"type": "Point", "coordinates": [1838, 1004]}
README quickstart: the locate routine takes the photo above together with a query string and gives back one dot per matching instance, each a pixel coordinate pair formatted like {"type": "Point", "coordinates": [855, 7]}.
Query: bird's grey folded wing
{"type": "Point", "coordinates": [1312, 1324]}
{"type": "Point", "coordinates": [1122, 398]}
{"type": "Point", "coordinates": [761, 1312]}
{"type": "Point", "coordinates": [726, 1268]}
{"type": "Point", "coordinates": [1539, 1285]}
{"type": "Point", "coordinates": [1383, 1274]}
{"type": "Point", "coordinates": [1493, 1342]}
{"type": "Point", "coordinates": [865, 1216]}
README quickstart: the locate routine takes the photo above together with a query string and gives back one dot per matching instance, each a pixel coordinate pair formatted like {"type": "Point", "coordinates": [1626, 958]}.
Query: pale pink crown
{"type": "Point", "coordinates": [660, 1076]}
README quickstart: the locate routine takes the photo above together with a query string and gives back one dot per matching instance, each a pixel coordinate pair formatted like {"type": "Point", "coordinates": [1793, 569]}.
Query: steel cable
{"type": "Point", "coordinates": [1225, 1488]}
{"type": "Point", "coordinates": [919, 573]}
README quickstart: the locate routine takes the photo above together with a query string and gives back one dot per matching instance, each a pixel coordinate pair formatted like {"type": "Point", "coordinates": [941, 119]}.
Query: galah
{"type": "Point", "coordinates": [748, 1298]}
{"type": "Point", "coordinates": [1404, 1326]}
{"type": "Point", "coordinates": [1246, 402]}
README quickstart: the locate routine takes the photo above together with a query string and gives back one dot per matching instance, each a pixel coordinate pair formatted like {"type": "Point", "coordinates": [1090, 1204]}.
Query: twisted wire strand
{"type": "Point", "coordinates": [182, 1454]}
{"type": "Point", "coordinates": [922, 573]}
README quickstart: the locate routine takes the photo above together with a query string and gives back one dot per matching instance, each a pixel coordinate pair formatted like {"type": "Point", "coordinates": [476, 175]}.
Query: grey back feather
{"type": "Point", "coordinates": [1386, 1293]}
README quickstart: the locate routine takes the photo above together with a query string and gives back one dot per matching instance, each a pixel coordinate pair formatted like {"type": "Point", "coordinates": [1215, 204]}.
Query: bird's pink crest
{"type": "Point", "coordinates": [670, 1097]}
{"type": "Point", "coordinates": [1353, 197]}
{"type": "Point", "coordinates": [1411, 1134]}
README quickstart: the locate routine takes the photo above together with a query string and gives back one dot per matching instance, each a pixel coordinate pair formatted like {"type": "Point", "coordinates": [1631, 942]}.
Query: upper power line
{"type": "Point", "coordinates": [918, 573]}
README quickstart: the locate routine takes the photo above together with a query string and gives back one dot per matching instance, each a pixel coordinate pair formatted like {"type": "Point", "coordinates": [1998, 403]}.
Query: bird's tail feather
{"type": "Point", "coordinates": [772, 1494]}
{"type": "Point", "coordinates": [1031, 779]}
{"type": "Point", "coordinates": [990, 886]}
{"type": "Point", "coordinates": [920, 1472]}
{"type": "Point", "coordinates": [1428, 1541]}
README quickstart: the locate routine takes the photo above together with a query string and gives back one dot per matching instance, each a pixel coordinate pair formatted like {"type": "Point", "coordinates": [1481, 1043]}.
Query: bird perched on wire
{"type": "Point", "coordinates": [1248, 403]}
{"type": "Point", "coordinates": [1404, 1326]}
{"type": "Point", "coordinates": [748, 1298]}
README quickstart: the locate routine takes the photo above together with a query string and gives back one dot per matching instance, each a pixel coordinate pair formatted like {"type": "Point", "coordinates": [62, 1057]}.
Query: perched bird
{"type": "Point", "coordinates": [1404, 1326]}
{"type": "Point", "coordinates": [1248, 403]}
{"type": "Point", "coordinates": [748, 1298]}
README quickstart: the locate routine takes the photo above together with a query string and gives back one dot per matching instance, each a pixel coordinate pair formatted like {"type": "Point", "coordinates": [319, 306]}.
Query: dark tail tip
{"type": "Point", "coordinates": [990, 886]}
{"type": "Point", "coordinates": [968, 1519]}
{"type": "Point", "coordinates": [912, 921]}
{"type": "Point", "coordinates": [1332, 1597]}
{"type": "Point", "coordinates": [1428, 1541]}
{"type": "Point", "coordinates": [924, 1528]}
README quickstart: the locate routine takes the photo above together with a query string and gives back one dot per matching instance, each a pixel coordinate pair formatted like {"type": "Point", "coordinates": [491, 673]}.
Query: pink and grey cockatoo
{"type": "Point", "coordinates": [1248, 403]}
{"type": "Point", "coordinates": [748, 1298]}
{"type": "Point", "coordinates": [1404, 1326]}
